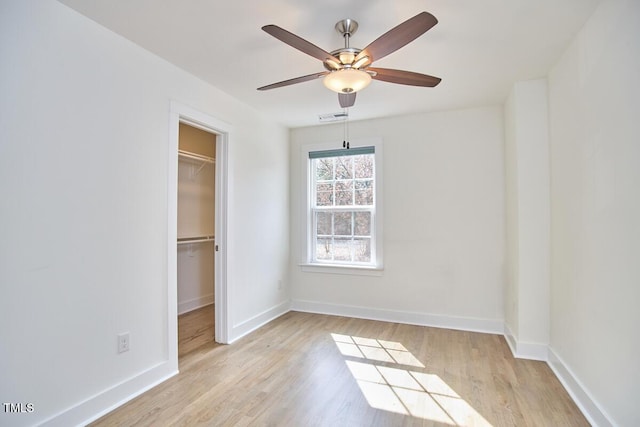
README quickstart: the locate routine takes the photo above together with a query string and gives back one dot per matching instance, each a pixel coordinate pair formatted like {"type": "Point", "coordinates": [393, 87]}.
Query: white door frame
{"type": "Point", "coordinates": [180, 113]}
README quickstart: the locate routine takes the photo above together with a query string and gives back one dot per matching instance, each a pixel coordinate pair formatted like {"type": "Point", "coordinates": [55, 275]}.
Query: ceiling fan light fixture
{"type": "Point", "coordinates": [347, 80]}
{"type": "Point", "coordinates": [362, 61]}
{"type": "Point", "coordinates": [332, 65]}
{"type": "Point", "coordinates": [346, 57]}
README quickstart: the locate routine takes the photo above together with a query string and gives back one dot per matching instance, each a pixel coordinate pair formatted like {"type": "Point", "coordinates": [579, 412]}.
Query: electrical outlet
{"type": "Point", "coordinates": [123, 342]}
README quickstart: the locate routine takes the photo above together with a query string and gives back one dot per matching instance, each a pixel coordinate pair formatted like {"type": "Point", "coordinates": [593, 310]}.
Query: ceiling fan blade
{"type": "Point", "coordinates": [404, 77]}
{"type": "Point", "coordinates": [299, 43]}
{"type": "Point", "coordinates": [347, 100]}
{"type": "Point", "coordinates": [398, 36]}
{"type": "Point", "coordinates": [294, 81]}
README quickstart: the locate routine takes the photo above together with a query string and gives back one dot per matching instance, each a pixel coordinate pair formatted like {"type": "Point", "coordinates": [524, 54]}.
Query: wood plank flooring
{"type": "Point", "coordinates": [314, 370]}
{"type": "Point", "coordinates": [195, 329]}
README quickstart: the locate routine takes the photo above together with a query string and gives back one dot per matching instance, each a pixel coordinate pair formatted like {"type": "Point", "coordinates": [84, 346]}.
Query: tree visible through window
{"type": "Point", "coordinates": [343, 206]}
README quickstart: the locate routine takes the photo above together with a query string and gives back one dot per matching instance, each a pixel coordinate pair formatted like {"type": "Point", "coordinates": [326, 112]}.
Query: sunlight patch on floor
{"type": "Point", "coordinates": [372, 349]}
{"type": "Point", "coordinates": [403, 391]}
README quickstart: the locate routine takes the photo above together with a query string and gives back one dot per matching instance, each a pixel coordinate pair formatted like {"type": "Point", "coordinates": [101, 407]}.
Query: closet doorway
{"type": "Point", "coordinates": [196, 244]}
{"type": "Point", "coordinates": [183, 114]}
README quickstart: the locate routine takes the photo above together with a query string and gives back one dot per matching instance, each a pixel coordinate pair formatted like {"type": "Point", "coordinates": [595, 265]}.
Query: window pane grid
{"type": "Point", "coordinates": [344, 181]}
{"type": "Point", "coordinates": [342, 209]}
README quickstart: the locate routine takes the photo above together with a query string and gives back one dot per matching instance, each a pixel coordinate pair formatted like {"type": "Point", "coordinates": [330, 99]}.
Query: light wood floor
{"type": "Point", "coordinates": [195, 329]}
{"type": "Point", "coordinates": [314, 370]}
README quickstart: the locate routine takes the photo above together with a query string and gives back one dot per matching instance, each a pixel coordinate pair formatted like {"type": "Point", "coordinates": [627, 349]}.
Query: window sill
{"type": "Point", "coordinates": [341, 269]}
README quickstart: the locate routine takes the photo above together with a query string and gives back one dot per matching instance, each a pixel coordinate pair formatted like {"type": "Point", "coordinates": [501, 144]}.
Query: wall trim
{"type": "Point", "coordinates": [525, 350]}
{"type": "Point", "coordinates": [491, 326]}
{"type": "Point", "coordinates": [588, 406]}
{"type": "Point", "coordinates": [259, 320]}
{"type": "Point", "coordinates": [104, 402]}
{"type": "Point", "coordinates": [195, 303]}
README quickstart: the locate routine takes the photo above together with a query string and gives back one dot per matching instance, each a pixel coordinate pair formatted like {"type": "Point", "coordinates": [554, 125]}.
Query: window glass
{"type": "Point", "coordinates": [342, 208]}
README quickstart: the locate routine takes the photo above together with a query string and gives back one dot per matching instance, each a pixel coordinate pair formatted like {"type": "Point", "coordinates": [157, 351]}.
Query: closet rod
{"type": "Point", "coordinates": [198, 239]}
{"type": "Point", "coordinates": [195, 156]}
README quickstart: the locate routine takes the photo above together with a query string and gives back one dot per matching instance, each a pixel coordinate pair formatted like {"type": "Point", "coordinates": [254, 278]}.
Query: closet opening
{"type": "Point", "coordinates": [196, 237]}
{"type": "Point", "coordinates": [216, 238]}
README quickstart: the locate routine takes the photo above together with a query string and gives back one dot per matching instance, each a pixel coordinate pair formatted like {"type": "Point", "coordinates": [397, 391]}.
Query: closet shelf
{"type": "Point", "coordinates": [195, 239]}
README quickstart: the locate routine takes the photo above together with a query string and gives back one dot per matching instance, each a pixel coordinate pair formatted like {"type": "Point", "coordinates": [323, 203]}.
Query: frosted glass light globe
{"type": "Point", "coordinates": [347, 80]}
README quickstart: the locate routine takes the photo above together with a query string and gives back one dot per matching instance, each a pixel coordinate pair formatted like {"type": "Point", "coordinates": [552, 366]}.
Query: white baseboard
{"type": "Point", "coordinates": [526, 350]}
{"type": "Point", "coordinates": [102, 403]}
{"type": "Point", "coordinates": [580, 395]}
{"type": "Point", "coordinates": [240, 330]}
{"type": "Point", "coordinates": [491, 326]}
{"type": "Point", "coordinates": [194, 303]}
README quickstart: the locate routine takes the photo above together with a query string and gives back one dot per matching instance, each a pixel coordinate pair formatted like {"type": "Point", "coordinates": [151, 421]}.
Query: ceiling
{"type": "Point", "coordinates": [478, 48]}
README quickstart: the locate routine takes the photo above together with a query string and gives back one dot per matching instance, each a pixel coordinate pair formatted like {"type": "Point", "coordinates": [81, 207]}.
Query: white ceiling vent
{"type": "Point", "coordinates": [333, 117]}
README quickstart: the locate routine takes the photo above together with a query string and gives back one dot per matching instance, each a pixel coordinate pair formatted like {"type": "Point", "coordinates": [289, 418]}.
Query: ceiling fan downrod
{"type": "Point", "coordinates": [346, 28]}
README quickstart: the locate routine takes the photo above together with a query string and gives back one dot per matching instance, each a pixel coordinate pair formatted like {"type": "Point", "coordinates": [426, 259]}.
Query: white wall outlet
{"type": "Point", "coordinates": [123, 342]}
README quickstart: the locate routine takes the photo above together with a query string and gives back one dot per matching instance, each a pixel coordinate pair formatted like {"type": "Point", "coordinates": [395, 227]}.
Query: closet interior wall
{"type": "Point", "coordinates": [196, 209]}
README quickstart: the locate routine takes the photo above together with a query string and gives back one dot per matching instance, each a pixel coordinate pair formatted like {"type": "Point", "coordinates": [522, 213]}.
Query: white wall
{"type": "Point", "coordinates": [595, 198]}
{"type": "Point", "coordinates": [444, 223]}
{"type": "Point", "coordinates": [195, 276]}
{"type": "Point", "coordinates": [528, 223]}
{"type": "Point", "coordinates": [84, 140]}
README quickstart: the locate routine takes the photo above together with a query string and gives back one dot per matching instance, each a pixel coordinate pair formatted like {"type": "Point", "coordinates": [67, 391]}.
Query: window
{"type": "Point", "coordinates": [343, 207]}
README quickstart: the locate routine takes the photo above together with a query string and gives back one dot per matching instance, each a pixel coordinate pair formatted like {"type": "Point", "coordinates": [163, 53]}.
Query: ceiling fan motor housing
{"type": "Point", "coordinates": [346, 56]}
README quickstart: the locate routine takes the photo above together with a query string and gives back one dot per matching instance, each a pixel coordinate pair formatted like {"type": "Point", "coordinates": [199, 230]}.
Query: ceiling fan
{"type": "Point", "coordinates": [348, 69]}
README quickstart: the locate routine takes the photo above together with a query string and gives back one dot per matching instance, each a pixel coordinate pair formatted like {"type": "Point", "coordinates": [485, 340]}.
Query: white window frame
{"type": "Point", "coordinates": [307, 244]}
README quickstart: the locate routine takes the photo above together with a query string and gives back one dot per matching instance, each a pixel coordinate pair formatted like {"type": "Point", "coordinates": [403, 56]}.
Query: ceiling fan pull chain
{"type": "Point", "coordinates": [345, 130]}
{"type": "Point", "coordinates": [347, 125]}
